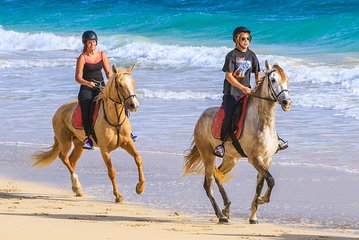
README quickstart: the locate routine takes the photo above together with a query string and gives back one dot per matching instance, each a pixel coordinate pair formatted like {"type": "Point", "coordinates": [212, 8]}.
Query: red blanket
{"type": "Point", "coordinates": [77, 116]}
{"type": "Point", "coordinates": [218, 119]}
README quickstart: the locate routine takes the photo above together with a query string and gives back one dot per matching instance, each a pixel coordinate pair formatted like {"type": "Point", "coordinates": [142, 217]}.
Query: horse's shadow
{"type": "Point", "coordinates": [16, 197]}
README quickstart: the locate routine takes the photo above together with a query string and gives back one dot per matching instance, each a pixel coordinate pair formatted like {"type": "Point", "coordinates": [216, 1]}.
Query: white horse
{"type": "Point", "coordinates": [259, 142]}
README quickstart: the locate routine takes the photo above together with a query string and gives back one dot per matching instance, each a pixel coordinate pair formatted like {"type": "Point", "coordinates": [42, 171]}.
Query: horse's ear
{"type": "Point", "coordinates": [131, 68]}
{"type": "Point", "coordinates": [268, 66]}
{"type": "Point", "coordinates": [114, 69]}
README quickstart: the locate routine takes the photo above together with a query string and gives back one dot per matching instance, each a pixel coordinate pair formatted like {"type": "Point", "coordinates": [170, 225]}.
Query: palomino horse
{"type": "Point", "coordinates": [112, 128]}
{"type": "Point", "coordinates": [258, 140]}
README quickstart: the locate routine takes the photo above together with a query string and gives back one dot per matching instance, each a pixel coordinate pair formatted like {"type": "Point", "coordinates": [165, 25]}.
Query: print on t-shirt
{"type": "Point", "coordinates": [242, 65]}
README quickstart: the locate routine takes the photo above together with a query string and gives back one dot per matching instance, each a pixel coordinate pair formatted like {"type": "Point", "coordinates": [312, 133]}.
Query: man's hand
{"type": "Point", "coordinates": [246, 90]}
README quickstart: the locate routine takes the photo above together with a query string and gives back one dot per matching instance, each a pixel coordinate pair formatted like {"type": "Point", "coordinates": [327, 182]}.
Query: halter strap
{"type": "Point", "coordinates": [122, 101]}
{"type": "Point", "coordinates": [274, 97]}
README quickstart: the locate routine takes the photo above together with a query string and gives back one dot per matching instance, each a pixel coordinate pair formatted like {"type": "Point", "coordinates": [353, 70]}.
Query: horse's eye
{"type": "Point", "coordinates": [273, 80]}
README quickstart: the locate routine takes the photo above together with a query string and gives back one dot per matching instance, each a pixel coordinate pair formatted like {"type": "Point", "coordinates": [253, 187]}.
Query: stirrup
{"type": "Point", "coordinates": [219, 151]}
{"type": "Point", "coordinates": [134, 138]}
{"type": "Point", "coordinates": [282, 144]}
{"type": "Point", "coordinates": [87, 144]}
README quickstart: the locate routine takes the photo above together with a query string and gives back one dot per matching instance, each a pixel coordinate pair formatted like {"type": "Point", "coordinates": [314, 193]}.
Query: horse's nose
{"type": "Point", "coordinates": [287, 102]}
{"type": "Point", "coordinates": [133, 106]}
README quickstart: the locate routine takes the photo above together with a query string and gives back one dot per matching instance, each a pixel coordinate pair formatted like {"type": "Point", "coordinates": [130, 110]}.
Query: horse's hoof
{"type": "Point", "coordinates": [223, 220]}
{"type": "Point", "coordinates": [140, 187]}
{"type": "Point", "coordinates": [251, 221]}
{"type": "Point", "coordinates": [119, 199]}
{"type": "Point", "coordinates": [78, 192]}
{"type": "Point", "coordinates": [261, 200]}
{"type": "Point", "coordinates": [226, 213]}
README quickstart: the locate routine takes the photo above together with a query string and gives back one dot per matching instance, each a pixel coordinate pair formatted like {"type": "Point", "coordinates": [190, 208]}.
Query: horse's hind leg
{"type": "Point", "coordinates": [74, 157]}
{"type": "Point", "coordinates": [209, 168]}
{"type": "Point", "coordinates": [226, 201]}
{"type": "Point", "coordinates": [111, 173]}
{"type": "Point", "coordinates": [226, 166]}
{"type": "Point", "coordinates": [131, 149]}
{"type": "Point", "coordinates": [65, 146]}
{"type": "Point", "coordinates": [76, 153]}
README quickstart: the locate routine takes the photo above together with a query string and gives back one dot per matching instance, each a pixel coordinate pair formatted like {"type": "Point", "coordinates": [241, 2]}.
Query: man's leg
{"type": "Point", "coordinates": [229, 103]}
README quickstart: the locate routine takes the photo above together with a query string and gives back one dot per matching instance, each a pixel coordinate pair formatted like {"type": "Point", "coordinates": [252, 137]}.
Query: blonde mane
{"type": "Point", "coordinates": [110, 84]}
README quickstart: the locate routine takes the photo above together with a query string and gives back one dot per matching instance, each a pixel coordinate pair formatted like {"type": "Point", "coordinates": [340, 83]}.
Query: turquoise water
{"type": "Point", "coordinates": [179, 47]}
{"type": "Point", "coordinates": [329, 26]}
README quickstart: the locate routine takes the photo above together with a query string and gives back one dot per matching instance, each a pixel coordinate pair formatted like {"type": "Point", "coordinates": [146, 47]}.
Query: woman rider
{"type": "Point", "coordinates": [88, 74]}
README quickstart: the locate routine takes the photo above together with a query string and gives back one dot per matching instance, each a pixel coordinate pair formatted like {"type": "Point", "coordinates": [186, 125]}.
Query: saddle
{"type": "Point", "coordinates": [77, 115]}
{"type": "Point", "coordinates": [239, 115]}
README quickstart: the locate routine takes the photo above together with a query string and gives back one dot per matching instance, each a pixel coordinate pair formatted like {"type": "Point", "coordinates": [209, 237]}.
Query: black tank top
{"type": "Point", "coordinates": [92, 71]}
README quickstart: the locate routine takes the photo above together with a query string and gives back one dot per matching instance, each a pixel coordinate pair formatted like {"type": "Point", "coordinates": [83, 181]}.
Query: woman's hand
{"type": "Point", "coordinates": [90, 84]}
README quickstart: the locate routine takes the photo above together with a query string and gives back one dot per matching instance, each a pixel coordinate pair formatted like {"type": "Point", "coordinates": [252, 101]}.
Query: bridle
{"type": "Point", "coordinates": [272, 95]}
{"type": "Point", "coordinates": [121, 101]}
{"type": "Point", "coordinates": [122, 98]}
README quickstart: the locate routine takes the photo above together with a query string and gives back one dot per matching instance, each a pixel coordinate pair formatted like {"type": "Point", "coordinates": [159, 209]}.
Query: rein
{"type": "Point", "coordinates": [122, 101]}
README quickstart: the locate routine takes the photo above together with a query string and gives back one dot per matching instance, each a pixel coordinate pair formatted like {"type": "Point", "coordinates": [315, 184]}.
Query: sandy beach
{"type": "Point", "coordinates": [34, 211]}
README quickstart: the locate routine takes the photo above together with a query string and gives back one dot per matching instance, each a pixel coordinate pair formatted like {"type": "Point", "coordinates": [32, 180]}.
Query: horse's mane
{"type": "Point", "coordinates": [280, 71]}
{"type": "Point", "coordinates": [110, 86]}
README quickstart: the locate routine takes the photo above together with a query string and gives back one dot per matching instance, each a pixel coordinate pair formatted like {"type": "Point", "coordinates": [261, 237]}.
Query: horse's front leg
{"type": "Point", "coordinates": [263, 172]}
{"type": "Point", "coordinates": [260, 181]}
{"type": "Point", "coordinates": [111, 173]}
{"type": "Point", "coordinates": [131, 149]}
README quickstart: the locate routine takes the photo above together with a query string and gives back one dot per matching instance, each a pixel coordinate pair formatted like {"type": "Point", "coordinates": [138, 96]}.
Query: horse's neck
{"type": "Point", "coordinates": [262, 112]}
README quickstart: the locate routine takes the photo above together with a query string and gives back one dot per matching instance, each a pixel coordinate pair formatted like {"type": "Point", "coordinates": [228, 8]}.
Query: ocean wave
{"type": "Point", "coordinates": [172, 55]}
{"type": "Point", "coordinates": [38, 63]}
{"type": "Point", "coordinates": [179, 95]}
{"type": "Point", "coordinates": [12, 40]}
{"type": "Point", "coordinates": [345, 169]}
{"type": "Point", "coordinates": [315, 84]}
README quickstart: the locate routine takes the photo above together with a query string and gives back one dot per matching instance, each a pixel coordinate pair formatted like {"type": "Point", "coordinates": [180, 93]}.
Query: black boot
{"type": "Point", "coordinates": [219, 151]}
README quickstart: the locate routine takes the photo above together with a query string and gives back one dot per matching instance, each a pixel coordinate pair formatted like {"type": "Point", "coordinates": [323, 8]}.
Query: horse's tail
{"type": "Point", "coordinates": [44, 158]}
{"type": "Point", "coordinates": [192, 161]}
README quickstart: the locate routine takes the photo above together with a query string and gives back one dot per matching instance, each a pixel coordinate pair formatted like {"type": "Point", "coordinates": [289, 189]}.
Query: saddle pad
{"type": "Point", "coordinates": [77, 116]}
{"type": "Point", "coordinates": [218, 119]}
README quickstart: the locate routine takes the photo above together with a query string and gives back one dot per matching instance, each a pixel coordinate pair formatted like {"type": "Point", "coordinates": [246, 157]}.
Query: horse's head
{"type": "Point", "coordinates": [277, 85]}
{"type": "Point", "coordinates": [121, 88]}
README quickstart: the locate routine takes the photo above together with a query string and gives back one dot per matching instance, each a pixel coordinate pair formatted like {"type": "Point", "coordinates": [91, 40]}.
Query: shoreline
{"type": "Point", "coordinates": [44, 211]}
{"type": "Point", "coordinates": [303, 196]}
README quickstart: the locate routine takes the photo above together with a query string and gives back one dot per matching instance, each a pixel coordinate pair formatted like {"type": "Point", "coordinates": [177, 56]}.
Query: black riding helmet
{"type": "Point", "coordinates": [239, 30]}
{"type": "Point", "coordinates": [89, 35]}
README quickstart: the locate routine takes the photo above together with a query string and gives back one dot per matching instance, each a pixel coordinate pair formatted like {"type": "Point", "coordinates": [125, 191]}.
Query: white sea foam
{"type": "Point", "coordinates": [12, 40]}
{"type": "Point", "coordinates": [315, 85]}
{"type": "Point", "coordinates": [38, 63]}
{"type": "Point", "coordinates": [172, 54]}
{"type": "Point", "coordinates": [345, 169]}
{"type": "Point", "coordinates": [181, 95]}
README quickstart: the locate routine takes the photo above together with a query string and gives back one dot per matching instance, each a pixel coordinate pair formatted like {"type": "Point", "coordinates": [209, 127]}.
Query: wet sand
{"type": "Point", "coordinates": [34, 211]}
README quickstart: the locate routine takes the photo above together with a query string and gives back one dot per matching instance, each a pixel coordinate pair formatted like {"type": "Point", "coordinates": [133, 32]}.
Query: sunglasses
{"type": "Point", "coordinates": [243, 39]}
